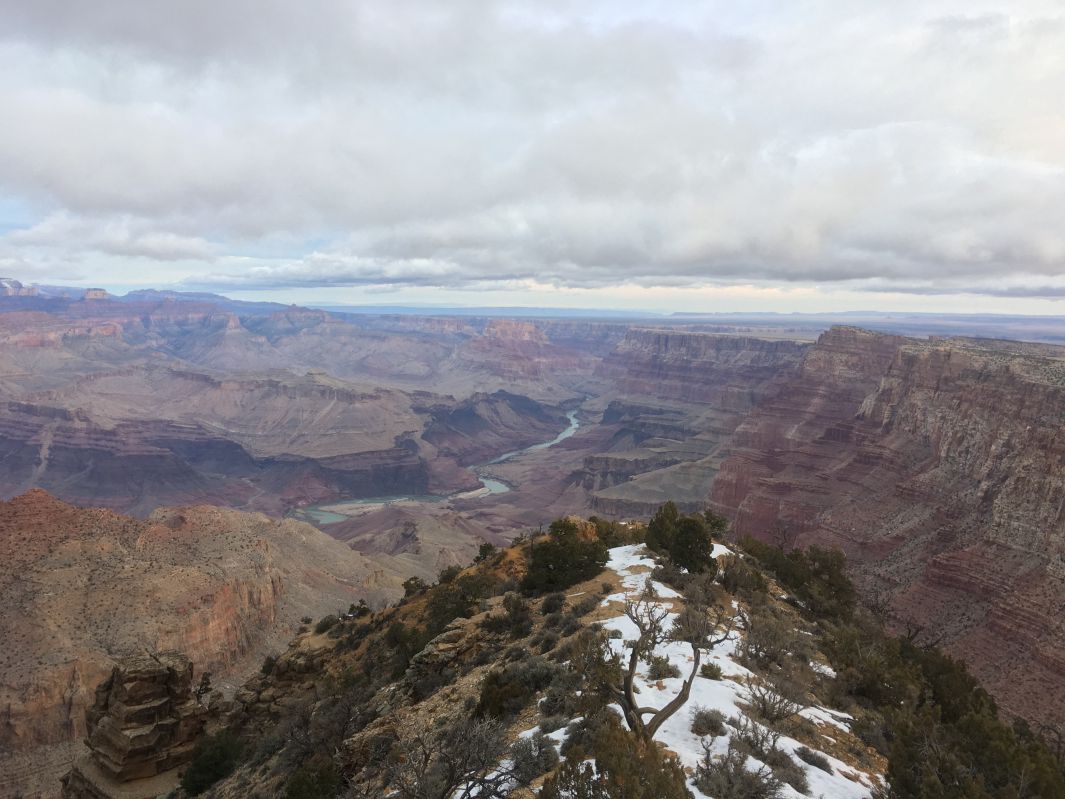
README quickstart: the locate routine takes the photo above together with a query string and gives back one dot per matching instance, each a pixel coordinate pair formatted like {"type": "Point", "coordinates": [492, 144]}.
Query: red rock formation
{"type": "Point", "coordinates": [82, 587]}
{"type": "Point", "coordinates": [939, 467]}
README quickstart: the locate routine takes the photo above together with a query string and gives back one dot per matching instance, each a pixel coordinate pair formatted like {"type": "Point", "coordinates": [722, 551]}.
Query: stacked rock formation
{"type": "Point", "coordinates": [144, 724]}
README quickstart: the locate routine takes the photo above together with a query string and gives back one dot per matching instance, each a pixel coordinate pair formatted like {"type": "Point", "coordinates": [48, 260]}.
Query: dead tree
{"type": "Point", "coordinates": [700, 626]}
{"type": "Point", "coordinates": [459, 760]}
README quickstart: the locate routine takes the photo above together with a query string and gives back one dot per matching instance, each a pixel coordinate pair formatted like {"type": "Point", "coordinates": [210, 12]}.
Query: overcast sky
{"type": "Point", "coordinates": [802, 154]}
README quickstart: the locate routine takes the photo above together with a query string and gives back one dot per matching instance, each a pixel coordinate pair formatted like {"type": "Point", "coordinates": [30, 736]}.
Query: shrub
{"type": "Point", "coordinates": [570, 625]}
{"type": "Point", "coordinates": [711, 670]}
{"type": "Point", "coordinates": [506, 691]}
{"type": "Point", "coordinates": [314, 781]}
{"type": "Point", "coordinates": [686, 539]}
{"type": "Point", "coordinates": [625, 768]}
{"type": "Point", "coordinates": [816, 576]}
{"type": "Point", "coordinates": [413, 585]}
{"type": "Point", "coordinates": [815, 759]}
{"type": "Point", "coordinates": [753, 738]}
{"type": "Point", "coordinates": [726, 777]}
{"type": "Point", "coordinates": [771, 640]}
{"type": "Point", "coordinates": [553, 620]}
{"type": "Point", "coordinates": [484, 552]}
{"type": "Point", "coordinates": [740, 579]}
{"type": "Point", "coordinates": [214, 757]}
{"type": "Point", "coordinates": [545, 641]}
{"type": "Point", "coordinates": [585, 606]}
{"type": "Point", "coordinates": [456, 599]}
{"type": "Point", "coordinates": [661, 669]}
{"type": "Point", "coordinates": [787, 770]}
{"type": "Point", "coordinates": [606, 588]}
{"type": "Point", "coordinates": [552, 723]}
{"type": "Point", "coordinates": [326, 624]}
{"type": "Point", "coordinates": [769, 703]}
{"type": "Point", "coordinates": [553, 603]}
{"type": "Point", "coordinates": [447, 575]}
{"type": "Point", "coordinates": [564, 559]}
{"type": "Point", "coordinates": [533, 756]}
{"type": "Point", "coordinates": [516, 619]}
{"type": "Point", "coordinates": [708, 722]}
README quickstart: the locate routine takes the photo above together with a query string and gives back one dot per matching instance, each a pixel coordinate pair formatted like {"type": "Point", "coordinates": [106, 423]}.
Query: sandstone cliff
{"type": "Point", "coordinates": [680, 395]}
{"type": "Point", "coordinates": [938, 467]}
{"type": "Point", "coordinates": [82, 587]}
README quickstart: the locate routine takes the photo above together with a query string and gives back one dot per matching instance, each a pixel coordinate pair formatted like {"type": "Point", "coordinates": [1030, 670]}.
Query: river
{"type": "Point", "coordinates": [333, 511]}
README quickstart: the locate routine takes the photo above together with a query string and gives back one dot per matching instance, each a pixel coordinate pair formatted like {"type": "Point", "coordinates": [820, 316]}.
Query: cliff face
{"type": "Point", "coordinates": [83, 587]}
{"type": "Point", "coordinates": [731, 373]}
{"type": "Point", "coordinates": [680, 397]}
{"type": "Point", "coordinates": [940, 468]}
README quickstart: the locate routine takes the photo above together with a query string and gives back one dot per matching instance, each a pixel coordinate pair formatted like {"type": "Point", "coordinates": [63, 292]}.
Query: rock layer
{"type": "Point", "coordinates": [144, 723]}
{"type": "Point", "coordinates": [939, 467]}
{"type": "Point", "coordinates": [82, 588]}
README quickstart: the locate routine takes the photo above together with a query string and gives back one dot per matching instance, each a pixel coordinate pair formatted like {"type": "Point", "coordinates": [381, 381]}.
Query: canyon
{"type": "Point", "coordinates": [935, 463]}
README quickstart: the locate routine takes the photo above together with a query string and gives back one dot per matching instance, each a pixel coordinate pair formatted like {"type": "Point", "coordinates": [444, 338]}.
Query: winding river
{"type": "Point", "coordinates": [334, 511]}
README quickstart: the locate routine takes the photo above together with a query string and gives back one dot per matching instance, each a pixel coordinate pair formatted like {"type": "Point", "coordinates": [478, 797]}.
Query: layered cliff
{"type": "Point", "coordinates": [939, 467]}
{"type": "Point", "coordinates": [678, 398]}
{"type": "Point", "coordinates": [82, 587]}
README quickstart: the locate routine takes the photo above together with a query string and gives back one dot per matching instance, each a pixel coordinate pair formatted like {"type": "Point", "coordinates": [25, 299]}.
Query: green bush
{"type": "Point", "coordinates": [711, 671]}
{"type": "Point", "coordinates": [660, 668]}
{"type": "Point", "coordinates": [448, 574]}
{"type": "Point", "coordinates": [326, 624]}
{"type": "Point", "coordinates": [687, 540]}
{"type": "Point", "coordinates": [507, 691]}
{"type": "Point", "coordinates": [317, 780]}
{"type": "Point", "coordinates": [215, 757]}
{"type": "Point", "coordinates": [563, 560]}
{"type": "Point", "coordinates": [484, 552]}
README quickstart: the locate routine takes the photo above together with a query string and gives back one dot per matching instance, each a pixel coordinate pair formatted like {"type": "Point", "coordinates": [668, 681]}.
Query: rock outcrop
{"type": "Point", "coordinates": [84, 587]}
{"type": "Point", "coordinates": [143, 726]}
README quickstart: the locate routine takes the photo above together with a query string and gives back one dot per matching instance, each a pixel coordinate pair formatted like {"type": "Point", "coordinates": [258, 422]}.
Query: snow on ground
{"type": "Point", "coordinates": [632, 564]}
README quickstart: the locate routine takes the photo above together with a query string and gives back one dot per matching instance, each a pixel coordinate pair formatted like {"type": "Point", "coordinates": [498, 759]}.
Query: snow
{"type": "Point", "coordinates": [823, 668]}
{"type": "Point", "coordinates": [633, 564]}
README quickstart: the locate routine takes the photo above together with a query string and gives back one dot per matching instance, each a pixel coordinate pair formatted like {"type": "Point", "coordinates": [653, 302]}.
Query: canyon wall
{"type": "Point", "coordinates": [678, 397]}
{"type": "Point", "coordinates": [82, 587]}
{"type": "Point", "coordinates": [939, 467]}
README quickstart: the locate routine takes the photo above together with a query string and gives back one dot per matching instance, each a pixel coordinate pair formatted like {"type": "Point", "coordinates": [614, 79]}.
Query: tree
{"type": "Point", "coordinates": [692, 548]}
{"type": "Point", "coordinates": [661, 527]}
{"type": "Point", "coordinates": [700, 626]}
{"type": "Point", "coordinates": [564, 559]}
{"type": "Point", "coordinates": [458, 760]}
{"type": "Point", "coordinates": [687, 540]}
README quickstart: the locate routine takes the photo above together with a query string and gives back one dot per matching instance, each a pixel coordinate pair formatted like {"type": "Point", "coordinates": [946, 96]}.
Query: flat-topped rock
{"type": "Point", "coordinates": [143, 725]}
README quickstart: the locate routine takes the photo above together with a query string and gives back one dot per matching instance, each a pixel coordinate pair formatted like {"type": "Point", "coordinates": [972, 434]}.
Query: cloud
{"type": "Point", "coordinates": [913, 148]}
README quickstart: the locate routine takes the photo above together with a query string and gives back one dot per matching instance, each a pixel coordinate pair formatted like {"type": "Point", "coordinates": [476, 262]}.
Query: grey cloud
{"type": "Point", "coordinates": [911, 148]}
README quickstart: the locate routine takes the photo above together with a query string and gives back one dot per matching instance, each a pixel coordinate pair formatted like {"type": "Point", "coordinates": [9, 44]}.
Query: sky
{"type": "Point", "coordinates": [805, 155]}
